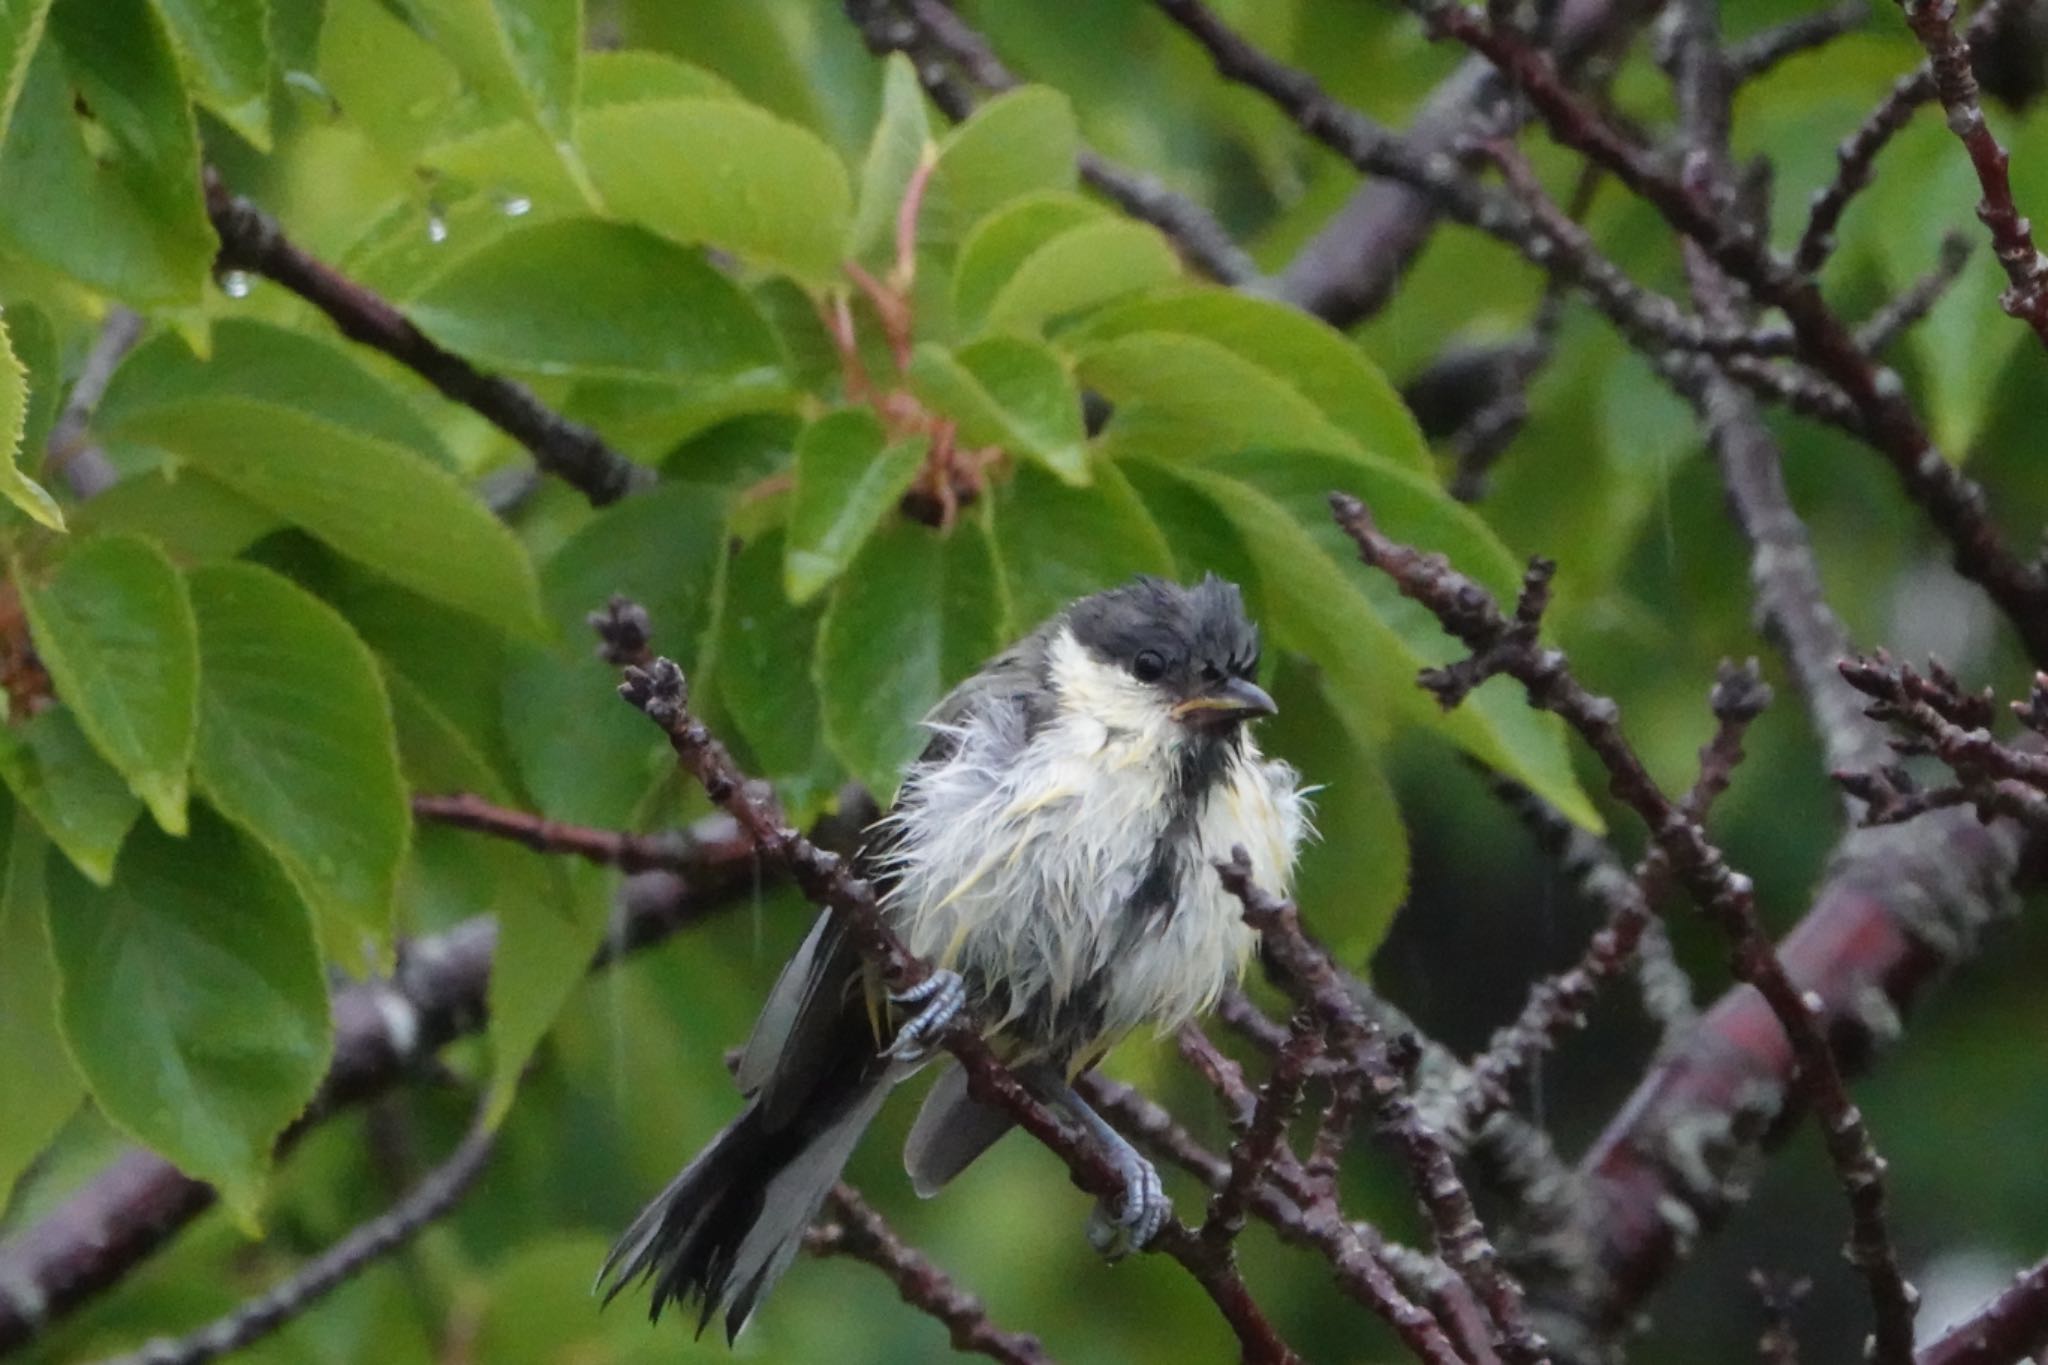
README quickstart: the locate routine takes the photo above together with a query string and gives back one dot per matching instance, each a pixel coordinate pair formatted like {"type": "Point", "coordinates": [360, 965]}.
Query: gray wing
{"type": "Point", "coordinates": [951, 1130]}
{"type": "Point", "coordinates": [799, 1030]}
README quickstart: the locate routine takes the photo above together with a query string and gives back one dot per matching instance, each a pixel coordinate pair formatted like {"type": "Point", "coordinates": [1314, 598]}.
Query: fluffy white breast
{"type": "Point", "coordinates": [1018, 863]}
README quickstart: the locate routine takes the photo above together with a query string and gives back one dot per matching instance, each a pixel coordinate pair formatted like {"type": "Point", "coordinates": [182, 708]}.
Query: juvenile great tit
{"type": "Point", "coordinates": [1052, 853]}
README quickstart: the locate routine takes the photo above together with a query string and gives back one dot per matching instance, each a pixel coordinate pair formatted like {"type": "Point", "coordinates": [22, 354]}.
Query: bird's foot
{"type": "Point", "coordinates": [938, 1000]}
{"type": "Point", "coordinates": [1136, 1218]}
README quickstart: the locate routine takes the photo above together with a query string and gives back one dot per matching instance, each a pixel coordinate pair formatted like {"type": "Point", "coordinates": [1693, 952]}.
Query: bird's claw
{"type": "Point", "coordinates": [938, 999]}
{"type": "Point", "coordinates": [1137, 1217]}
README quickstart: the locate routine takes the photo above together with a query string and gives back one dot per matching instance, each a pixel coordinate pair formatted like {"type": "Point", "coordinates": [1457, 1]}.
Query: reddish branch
{"type": "Point", "coordinates": [659, 692]}
{"type": "Point", "coordinates": [1503, 646]}
{"type": "Point", "coordinates": [252, 240]}
{"type": "Point", "coordinates": [851, 1227]}
{"type": "Point", "coordinates": [1933, 22]}
{"type": "Point", "coordinates": [668, 852]}
{"type": "Point", "coordinates": [1265, 1132]}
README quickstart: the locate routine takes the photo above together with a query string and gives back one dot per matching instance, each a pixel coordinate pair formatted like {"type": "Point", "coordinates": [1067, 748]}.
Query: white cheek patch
{"type": "Point", "coordinates": [1107, 695]}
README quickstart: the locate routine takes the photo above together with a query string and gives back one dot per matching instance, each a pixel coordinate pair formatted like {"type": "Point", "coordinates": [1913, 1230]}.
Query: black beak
{"type": "Point", "coordinates": [1227, 703]}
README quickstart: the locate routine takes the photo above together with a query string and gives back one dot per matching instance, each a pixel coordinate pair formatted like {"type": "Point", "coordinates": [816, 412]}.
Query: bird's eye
{"type": "Point", "coordinates": [1149, 666]}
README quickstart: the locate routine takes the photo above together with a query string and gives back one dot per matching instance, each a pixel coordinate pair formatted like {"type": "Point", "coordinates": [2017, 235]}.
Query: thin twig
{"type": "Point", "coordinates": [1461, 1237]}
{"type": "Point", "coordinates": [1948, 54]}
{"type": "Point", "coordinates": [1954, 503]}
{"type": "Point", "coordinates": [1760, 52]}
{"type": "Point", "coordinates": [1500, 645]}
{"type": "Point", "coordinates": [434, 1196]}
{"type": "Point", "coordinates": [668, 852]}
{"type": "Point", "coordinates": [1557, 1004]}
{"type": "Point", "coordinates": [252, 240]}
{"type": "Point", "coordinates": [70, 452]}
{"type": "Point", "coordinates": [1255, 1151]}
{"type": "Point", "coordinates": [853, 1228]}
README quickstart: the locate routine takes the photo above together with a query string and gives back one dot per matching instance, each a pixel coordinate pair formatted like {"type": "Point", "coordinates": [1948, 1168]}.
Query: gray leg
{"type": "Point", "coordinates": [939, 998]}
{"type": "Point", "coordinates": [1143, 1210]}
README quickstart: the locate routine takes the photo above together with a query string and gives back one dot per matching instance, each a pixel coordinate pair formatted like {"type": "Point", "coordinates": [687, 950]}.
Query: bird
{"type": "Point", "coordinates": [1052, 854]}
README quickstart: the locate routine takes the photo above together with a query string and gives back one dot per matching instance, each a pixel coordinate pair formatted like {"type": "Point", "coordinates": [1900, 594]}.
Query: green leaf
{"type": "Point", "coordinates": [17, 487]}
{"type": "Point", "coordinates": [917, 612]}
{"type": "Point", "coordinates": [270, 364]}
{"type": "Point", "coordinates": [1315, 359]}
{"type": "Point", "coordinates": [28, 331]}
{"type": "Point", "coordinates": [114, 627]}
{"type": "Point", "coordinates": [376, 502]}
{"type": "Point", "coordinates": [296, 746]}
{"type": "Point", "coordinates": [73, 793]}
{"type": "Point", "coordinates": [848, 478]}
{"type": "Point", "coordinates": [763, 684]}
{"type": "Point", "coordinates": [1016, 144]}
{"type": "Point", "coordinates": [226, 47]}
{"type": "Point", "coordinates": [1317, 599]}
{"type": "Point", "coordinates": [1011, 392]}
{"type": "Point", "coordinates": [518, 159]}
{"type": "Point", "coordinates": [902, 136]}
{"type": "Point", "coordinates": [520, 55]}
{"type": "Point", "coordinates": [41, 1087]}
{"type": "Point", "coordinates": [1058, 542]}
{"type": "Point", "coordinates": [551, 919]}
{"type": "Point", "coordinates": [1184, 397]}
{"type": "Point", "coordinates": [199, 1020]}
{"type": "Point", "coordinates": [1079, 269]}
{"type": "Point", "coordinates": [710, 170]}
{"type": "Point", "coordinates": [393, 85]}
{"type": "Point", "coordinates": [583, 754]}
{"type": "Point", "coordinates": [190, 516]}
{"type": "Point", "coordinates": [1353, 875]}
{"type": "Point", "coordinates": [999, 244]}
{"type": "Point", "coordinates": [21, 28]}
{"type": "Point", "coordinates": [117, 201]}
{"type": "Point", "coordinates": [577, 296]}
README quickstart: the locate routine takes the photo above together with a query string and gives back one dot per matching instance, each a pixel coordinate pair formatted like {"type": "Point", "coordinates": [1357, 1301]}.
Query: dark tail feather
{"type": "Point", "coordinates": [725, 1229]}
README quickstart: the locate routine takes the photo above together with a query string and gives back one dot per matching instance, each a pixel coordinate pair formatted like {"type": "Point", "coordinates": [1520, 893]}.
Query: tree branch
{"type": "Point", "coordinates": [666, 852]}
{"type": "Point", "coordinates": [1502, 646]}
{"type": "Point", "coordinates": [1954, 503]}
{"type": "Point", "coordinates": [853, 1228]}
{"type": "Point", "coordinates": [252, 240]}
{"type": "Point", "coordinates": [1351, 267]}
{"type": "Point", "coordinates": [1948, 55]}
{"type": "Point", "coordinates": [432, 1198]}
{"type": "Point", "coordinates": [1384, 1068]}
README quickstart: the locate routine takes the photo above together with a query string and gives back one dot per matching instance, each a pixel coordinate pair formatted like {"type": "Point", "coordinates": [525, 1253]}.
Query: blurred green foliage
{"type": "Point", "coordinates": [294, 608]}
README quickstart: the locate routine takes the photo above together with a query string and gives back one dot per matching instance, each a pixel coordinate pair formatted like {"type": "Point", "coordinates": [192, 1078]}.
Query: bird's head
{"type": "Point", "coordinates": [1153, 651]}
